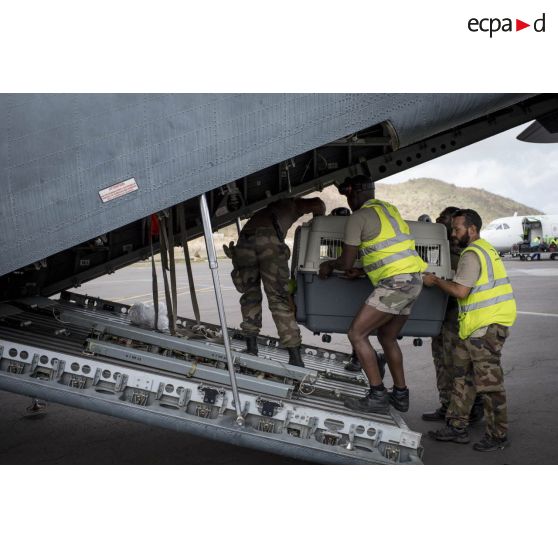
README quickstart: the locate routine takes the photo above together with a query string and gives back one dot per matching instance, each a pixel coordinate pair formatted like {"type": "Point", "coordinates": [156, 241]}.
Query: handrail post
{"type": "Point", "coordinates": [213, 265]}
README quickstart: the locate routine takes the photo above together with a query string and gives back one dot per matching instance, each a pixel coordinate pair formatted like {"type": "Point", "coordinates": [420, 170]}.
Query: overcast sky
{"type": "Point", "coordinates": [524, 172]}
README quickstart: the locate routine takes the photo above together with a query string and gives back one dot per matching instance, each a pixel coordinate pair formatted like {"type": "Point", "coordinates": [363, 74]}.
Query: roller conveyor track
{"type": "Point", "coordinates": [41, 330]}
{"type": "Point", "coordinates": [355, 384]}
{"type": "Point", "coordinates": [65, 326]}
{"type": "Point", "coordinates": [311, 360]}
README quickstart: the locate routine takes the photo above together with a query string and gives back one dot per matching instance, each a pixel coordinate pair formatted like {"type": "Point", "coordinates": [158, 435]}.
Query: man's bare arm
{"type": "Point", "coordinates": [311, 205]}
{"type": "Point", "coordinates": [348, 257]}
{"type": "Point", "coordinates": [344, 262]}
{"type": "Point", "coordinates": [453, 289]}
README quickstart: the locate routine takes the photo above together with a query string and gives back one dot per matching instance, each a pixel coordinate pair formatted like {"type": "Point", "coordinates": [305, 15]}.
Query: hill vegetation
{"type": "Point", "coordinates": [428, 196]}
{"type": "Point", "coordinates": [413, 198]}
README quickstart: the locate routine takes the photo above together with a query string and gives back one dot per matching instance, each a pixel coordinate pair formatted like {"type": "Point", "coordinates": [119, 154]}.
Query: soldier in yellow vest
{"type": "Point", "coordinates": [486, 311]}
{"type": "Point", "coordinates": [377, 234]}
{"type": "Point", "coordinates": [443, 345]}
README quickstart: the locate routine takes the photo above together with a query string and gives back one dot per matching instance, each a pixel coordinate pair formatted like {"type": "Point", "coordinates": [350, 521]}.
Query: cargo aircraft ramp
{"type": "Point", "coordinates": [84, 352]}
{"type": "Point", "coordinates": [93, 183]}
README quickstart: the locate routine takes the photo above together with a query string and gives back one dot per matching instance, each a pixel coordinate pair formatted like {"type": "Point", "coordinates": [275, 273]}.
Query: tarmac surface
{"type": "Point", "coordinates": [64, 435]}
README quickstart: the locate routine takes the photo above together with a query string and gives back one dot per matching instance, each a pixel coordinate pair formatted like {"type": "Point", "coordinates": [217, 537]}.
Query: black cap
{"type": "Point", "coordinates": [359, 182]}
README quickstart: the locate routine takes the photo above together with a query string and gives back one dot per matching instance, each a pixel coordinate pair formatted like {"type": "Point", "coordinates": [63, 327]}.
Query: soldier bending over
{"type": "Point", "coordinates": [261, 256]}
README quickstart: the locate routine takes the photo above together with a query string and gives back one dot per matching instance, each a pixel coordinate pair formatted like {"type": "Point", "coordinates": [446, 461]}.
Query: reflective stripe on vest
{"type": "Point", "coordinates": [488, 302]}
{"type": "Point", "coordinates": [499, 308]}
{"type": "Point", "coordinates": [389, 259]}
{"type": "Point", "coordinates": [385, 244]}
{"type": "Point", "coordinates": [400, 236]}
{"type": "Point", "coordinates": [394, 255]}
{"type": "Point", "coordinates": [490, 285]}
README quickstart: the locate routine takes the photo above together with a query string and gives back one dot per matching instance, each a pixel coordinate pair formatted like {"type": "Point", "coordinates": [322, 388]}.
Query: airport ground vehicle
{"type": "Point", "coordinates": [83, 174]}
{"type": "Point", "coordinates": [544, 228]}
{"type": "Point", "coordinates": [514, 234]}
{"type": "Point", "coordinates": [527, 253]}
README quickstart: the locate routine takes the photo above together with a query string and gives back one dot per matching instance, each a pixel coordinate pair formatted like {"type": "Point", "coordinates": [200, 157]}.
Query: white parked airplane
{"type": "Point", "coordinates": [505, 232]}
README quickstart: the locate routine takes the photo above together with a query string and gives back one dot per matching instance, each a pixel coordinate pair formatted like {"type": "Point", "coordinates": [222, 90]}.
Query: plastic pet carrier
{"type": "Point", "coordinates": [329, 306]}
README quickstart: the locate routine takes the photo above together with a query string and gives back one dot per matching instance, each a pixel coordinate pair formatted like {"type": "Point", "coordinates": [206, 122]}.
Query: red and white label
{"type": "Point", "coordinates": [118, 190]}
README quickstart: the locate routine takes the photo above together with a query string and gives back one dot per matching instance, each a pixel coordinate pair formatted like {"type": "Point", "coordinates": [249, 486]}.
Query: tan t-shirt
{"type": "Point", "coordinates": [467, 274]}
{"type": "Point", "coordinates": [468, 270]}
{"type": "Point", "coordinates": [364, 224]}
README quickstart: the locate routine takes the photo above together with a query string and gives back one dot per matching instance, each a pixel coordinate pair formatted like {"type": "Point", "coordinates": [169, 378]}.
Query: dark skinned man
{"type": "Point", "coordinates": [377, 234]}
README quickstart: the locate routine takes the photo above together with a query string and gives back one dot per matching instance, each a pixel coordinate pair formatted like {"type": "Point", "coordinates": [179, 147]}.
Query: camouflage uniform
{"type": "Point", "coordinates": [443, 344]}
{"type": "Point", "coordinates": [478, 369]}
{"type": "Point", "coordinates": [260, 256]}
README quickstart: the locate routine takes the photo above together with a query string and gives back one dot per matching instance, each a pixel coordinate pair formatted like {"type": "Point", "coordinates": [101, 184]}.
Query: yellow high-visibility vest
{"type": "Point", "coordinates": [491, 300]}
{"type": "Point", "coordinates": [392, 252]}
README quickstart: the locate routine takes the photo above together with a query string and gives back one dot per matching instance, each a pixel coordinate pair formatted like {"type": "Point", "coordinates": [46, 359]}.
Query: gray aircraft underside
{"type": "Point", "coordinates": [545, 130]}
{"type": "Point", "coordinates": [80, 178]}
{"type": "Point", "coordinates": [60, 155]}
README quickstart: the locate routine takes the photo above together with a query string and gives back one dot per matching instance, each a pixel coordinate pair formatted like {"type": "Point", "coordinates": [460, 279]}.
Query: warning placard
{"type": "Point", "coordinates": [118, 190]}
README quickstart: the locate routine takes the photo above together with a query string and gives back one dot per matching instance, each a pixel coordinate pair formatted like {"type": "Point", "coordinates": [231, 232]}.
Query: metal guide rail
{"type": "Point", "coordinates": [83, 352]}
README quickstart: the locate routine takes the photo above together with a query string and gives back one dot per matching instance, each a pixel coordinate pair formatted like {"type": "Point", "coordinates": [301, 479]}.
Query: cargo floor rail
{"type": "Point", "coordinates": [83, 352]}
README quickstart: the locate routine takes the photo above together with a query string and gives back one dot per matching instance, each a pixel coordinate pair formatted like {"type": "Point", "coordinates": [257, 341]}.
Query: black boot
{"type": "Point", "coordinates": [373, 402]}
{"type": "Point", "coordinates": [450, 434]}
{"type": "Point", "coordinates": [491, 444]}
{"type": "Point", "coordinates": [438, 414]}
{"type": "Point", "coordinates": [251, 345]}
{"type": "Point", "coordinates": [399, 398]}
{"type": "Point", "coordinates": [295, 358]}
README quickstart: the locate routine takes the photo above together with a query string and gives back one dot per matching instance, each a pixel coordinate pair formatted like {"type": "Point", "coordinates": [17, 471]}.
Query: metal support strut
{"type": "Point", "coordinates": [212, 259]}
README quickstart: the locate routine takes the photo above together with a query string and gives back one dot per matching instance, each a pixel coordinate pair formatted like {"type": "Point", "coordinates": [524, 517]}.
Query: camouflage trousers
{"type": "Point", "coordinates": [397, 294]}
{"type": "Point", "coordinates": [478, 370]}
{"type": "Point", "coordinates": [260, 257]}
{"type": "Point", "coordinates": [442, 355]}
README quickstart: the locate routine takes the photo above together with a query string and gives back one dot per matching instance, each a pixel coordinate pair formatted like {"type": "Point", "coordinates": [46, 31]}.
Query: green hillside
{"type": "Point", "coordinates": [426, 195]}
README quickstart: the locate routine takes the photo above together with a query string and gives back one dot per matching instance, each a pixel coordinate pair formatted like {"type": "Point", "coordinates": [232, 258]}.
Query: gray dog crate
{"type": "Point", "coordinates": [329, 305]}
